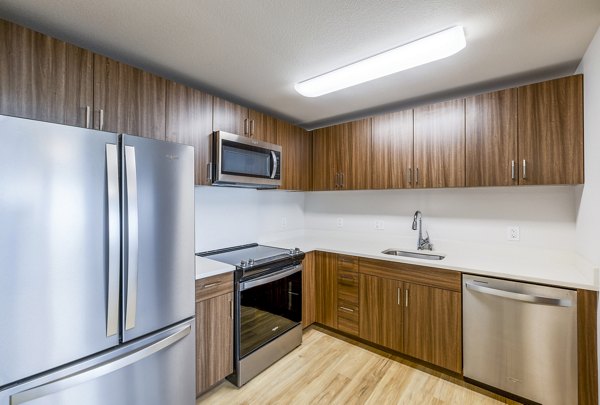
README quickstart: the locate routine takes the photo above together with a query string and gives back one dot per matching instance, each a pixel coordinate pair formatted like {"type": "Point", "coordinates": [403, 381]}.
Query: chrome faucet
{"type": "Point", "coordinates": [422, 243]}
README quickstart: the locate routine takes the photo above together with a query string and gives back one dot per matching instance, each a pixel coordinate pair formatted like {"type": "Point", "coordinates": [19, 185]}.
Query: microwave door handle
{"type": "Point", "coordinates": [274, 157]}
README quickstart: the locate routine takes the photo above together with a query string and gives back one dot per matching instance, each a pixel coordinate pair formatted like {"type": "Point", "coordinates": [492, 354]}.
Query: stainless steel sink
{"type": "Point", "coordinates": [426, 256]}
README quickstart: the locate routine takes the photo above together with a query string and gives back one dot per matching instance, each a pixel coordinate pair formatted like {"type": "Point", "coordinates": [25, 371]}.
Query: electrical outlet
{"type": "Point", "coordinates": [513, 233]}
{"type": "Point", "coordinates": [340, 222]}
{"type": "Point", "coordinates": [379, 225]}
{"type": "Point", "coordinates": [283, 222]}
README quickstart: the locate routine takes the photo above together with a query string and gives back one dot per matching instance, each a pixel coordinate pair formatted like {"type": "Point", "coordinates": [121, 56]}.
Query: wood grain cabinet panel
{"type": "Point", "coordinates": [355, 155]}
{"type": "Point", "coordinates": [326, 288]}
{"type": "Point", "coordinates": [262, 127]}
{"type": "Point", "coordinates": [230, 117]}
{"type": "Point", "coordinates": [189, 121]}
{"type": "Point", "coordinates": [551, 132]}
{"type": "Point", "coordinates": [44, 79]}
{"type": "Point", "coordinates": [296, 144]}
{"type": "Point", "coordinates": [128, 100]}
{"type": "Point", "coordinates": [491, 139]}
{"type": "Point", "coordinates": [439, 151]}
{"type": "Point", "coordinates": [325, 171]}
{"type": "Point", "coordinates": [308, 290]}
{"type": "Point", "coordinates": [381, 311]}
{"type": "Point", "coordinates": [432, 326]}
{"type": "Point", "coordinates": [392, 150]}
{"type": "Point", "coordinates": [214, 341]}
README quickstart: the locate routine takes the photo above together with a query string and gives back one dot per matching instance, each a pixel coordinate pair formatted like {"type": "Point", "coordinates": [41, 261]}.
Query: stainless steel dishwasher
{"type": "Point", "coordinates": [521, 338]}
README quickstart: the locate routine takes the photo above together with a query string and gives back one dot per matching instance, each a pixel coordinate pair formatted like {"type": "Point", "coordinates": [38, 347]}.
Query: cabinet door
{"type": "Point", "coordinates": [262, 127]}
{"type": "Point", "coordinates": [308, 290]}
{"type": "Point", "coordinates": [551, 132]}
{"type": "Point", "coordinates": [326, 288]}
{"type": "Point", "coordinates": [381, 309]}
{"type": "Point", "coordinates": [44, 79]}
{"type": "Point", "coordinates": [128, 100]}
{"type": "Point", "coordinates": [296, 144]}
{"type": "Point", "coordinates": [214, 341]}
{"type": "Point", "coordinates": [230, 117]}
{"type": "Point", "coordinates": [432, 326]}
{"type": "Point", "coordinates": [189, 121]}
{"type": "Point", "coordinates": [392, 150]}
{"type": "Point", "coordinates": [491, 139]}
{"type": "Point", "coordinates": [354, 160]}
{"type": "Point", "coordinates": [440, 145]}
{"type": "Point", "coordinates": [325, 173]}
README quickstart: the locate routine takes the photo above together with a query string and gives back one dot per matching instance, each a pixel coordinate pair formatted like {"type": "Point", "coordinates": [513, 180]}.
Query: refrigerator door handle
{"type": "Point", "coordinates": [132, 237]}
{"type": "Point", "coordinates": [100, 369]}
{"type": "Point", "coordinates": [114, 239]}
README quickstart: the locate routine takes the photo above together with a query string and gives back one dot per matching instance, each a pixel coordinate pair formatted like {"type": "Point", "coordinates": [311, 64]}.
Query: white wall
{"type": "Point", "coordinates": [233, 216]}
{"type": "Point", "coordinates": [588, 217]}
{"type": "Point", "coordinates": [545, 215]}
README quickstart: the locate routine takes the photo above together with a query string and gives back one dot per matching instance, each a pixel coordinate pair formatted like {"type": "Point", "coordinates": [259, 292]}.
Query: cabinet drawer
{"type": "Point", "coordinates": [347, 263]}
{"type": "Point", "coordinates": [348, 317]}
{"type": "Point", "coordinates": [347, 284]}
{"type": "Point", "coordinates": [214, 286]}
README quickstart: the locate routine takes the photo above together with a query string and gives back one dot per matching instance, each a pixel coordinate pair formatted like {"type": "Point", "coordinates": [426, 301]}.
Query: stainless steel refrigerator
{"type": "Point", "coordinates": [96, 267]}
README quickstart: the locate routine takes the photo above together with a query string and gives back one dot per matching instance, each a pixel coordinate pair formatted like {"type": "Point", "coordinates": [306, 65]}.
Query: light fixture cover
{"type": "Point", "coordinates": [434, 47]}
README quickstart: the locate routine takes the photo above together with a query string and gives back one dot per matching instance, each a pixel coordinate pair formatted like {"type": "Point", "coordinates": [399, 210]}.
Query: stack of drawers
{"type": "Point", "coordinates": [347, 300]}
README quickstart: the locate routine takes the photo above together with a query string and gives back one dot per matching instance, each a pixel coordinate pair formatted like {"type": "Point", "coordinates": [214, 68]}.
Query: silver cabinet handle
{"type": "Point", "coordinates": [132, 237]}
{"type": "Point", "coordinates": [101, 119]}
{"type": "Point", "coordinates": [534, 299]}
{"type": "Point", "coordinates": [274, 157]}
{"type": "Point", "coordinates": [209, 172]}
{"type": "Point", "coordinates": [245, 126]}
{"type": "Point", "coordinates": [512, 169]}
{"type": "Point", "coordinates": [406, 298]}
{"type": "Point", "coordinates": [97, 371]}
{"type": "Point", "coordinates": [251, 127]}
{"type": "Point", "coordinates": [417, 176]}
{"type": "Point", "coordinates": [88, 111]}
{"type": "Point", "coordinates": [346, 309]}
{"type": "Point", "coordinates": [231, 309]}
{"type": "Point", "coordinates": [398, 295]}
{"type": "Point", "coordinates": [410, 175]}
{"type": "Point", "coordinates": [212, 284]}
{"type": "Point", "coordinates": [337, 180]}
{"type": "Point", "coordinates": [524, 169]}
{"type": "Point", "coordinates": [342, 179]}
{"type": "Point", "coordinates": [114, 239]}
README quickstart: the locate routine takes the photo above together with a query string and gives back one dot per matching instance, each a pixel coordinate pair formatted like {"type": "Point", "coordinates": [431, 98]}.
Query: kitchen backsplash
{"type": "Point", "coordinates": [545, 215]}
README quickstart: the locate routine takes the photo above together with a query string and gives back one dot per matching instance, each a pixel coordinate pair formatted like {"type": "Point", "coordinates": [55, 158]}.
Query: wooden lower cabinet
{"type": "Point", "coordinates": [214, 332]}
{"type": "Point", "coordinates": [432, 326]}
{"type": "Point", "coordinates": [326, 288]}
{"type": "Point", "coordinates": [308, 290]}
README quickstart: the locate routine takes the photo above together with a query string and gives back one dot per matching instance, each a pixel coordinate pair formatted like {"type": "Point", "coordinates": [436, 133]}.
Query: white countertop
{"type": "Point", "coordinates": [546, 266]}
{"type": "Point", "coordinates": [207, 267]}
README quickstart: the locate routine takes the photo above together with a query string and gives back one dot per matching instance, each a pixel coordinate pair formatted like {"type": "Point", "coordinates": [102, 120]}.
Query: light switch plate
{"type": "Point", "coordinates": [284, 222]}
{"type": "Point", "coordinates": [513, 233]}
{"type": "Point", "coordinates": [340, 222]}
{"type": "Point", "coordinates": [379, 225]}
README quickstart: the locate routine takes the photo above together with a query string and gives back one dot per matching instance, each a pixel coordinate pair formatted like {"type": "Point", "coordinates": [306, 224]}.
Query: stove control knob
{"type": "Point", "coordinates": [250, 262]}
{"type": "Point", "coordinates": [291, 251]}
{"type": "Point", "coordinates": [297, 251]}
{"type": "Point", "coordinates": [243, 264]}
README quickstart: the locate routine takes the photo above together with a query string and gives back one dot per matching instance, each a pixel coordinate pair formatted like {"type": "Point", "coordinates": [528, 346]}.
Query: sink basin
{"type": "Point", "coordinates": [426, 256]}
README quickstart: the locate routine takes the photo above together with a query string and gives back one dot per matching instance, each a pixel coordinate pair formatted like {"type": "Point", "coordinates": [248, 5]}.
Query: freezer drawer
{"type": "Point", "coordinates": [156, 370]}
{"type": "Point", "coordinates": [521, 338]}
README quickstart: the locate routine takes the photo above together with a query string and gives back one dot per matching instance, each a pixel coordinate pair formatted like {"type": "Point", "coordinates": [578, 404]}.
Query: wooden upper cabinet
{"type": "Point", "coordinates": [189, 121]}
{"type": "Point", "coordinates": [296, 145]}
{"type": "Point", "coordinates": [491, 139]}
{"type": "Point", "coordinates": [440, 145]}
{"type": "Point", "coordinates": [326, 288]}
{"type": "Point", "coordinates": [262, 127]}
{"type": "Point", "coordinates": [551, 132]}
{"type": "Point", "coordinates": [355, 155]}
{"type": "Point", "coordinates": [432, 326]}
{"type": "Point", "coordinates": [230, 117]}
{"type": "Point", "coordinates": [392, 150]}
{"type": "Point", "coordinates": [44, 79]}
{"type": "Point", "coordinates": [128, 100]}
{"type": "Point", "coordinates": [325, 174]}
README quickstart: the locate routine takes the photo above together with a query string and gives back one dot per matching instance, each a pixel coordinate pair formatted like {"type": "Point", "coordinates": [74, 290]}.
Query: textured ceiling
{"type": "Point", "coordinates": [253, 51]}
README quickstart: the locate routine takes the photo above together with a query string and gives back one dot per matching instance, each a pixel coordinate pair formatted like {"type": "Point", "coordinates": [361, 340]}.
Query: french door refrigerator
{"type": "Point", "coordinates": [96, 267]}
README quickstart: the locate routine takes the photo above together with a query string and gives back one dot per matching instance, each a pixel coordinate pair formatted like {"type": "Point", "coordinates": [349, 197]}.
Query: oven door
{"type": "Point", "coordinates": [269, 307]}
{"type": "Point", "coordinates": [245, 161]}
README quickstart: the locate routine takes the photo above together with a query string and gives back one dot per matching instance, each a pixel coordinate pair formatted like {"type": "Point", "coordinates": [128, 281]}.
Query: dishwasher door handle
{"type": "Point", "coordinates": [534, 299]}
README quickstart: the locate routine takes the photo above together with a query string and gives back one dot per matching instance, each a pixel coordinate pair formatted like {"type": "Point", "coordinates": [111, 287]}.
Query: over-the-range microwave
{"type": "Point", "coordinates": [239, 161]}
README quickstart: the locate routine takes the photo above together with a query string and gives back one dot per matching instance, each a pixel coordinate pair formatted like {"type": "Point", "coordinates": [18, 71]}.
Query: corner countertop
{"type": "Point", "coordinates": [208, 267]}
{"type": "Point", "coordinates": [538, 265]}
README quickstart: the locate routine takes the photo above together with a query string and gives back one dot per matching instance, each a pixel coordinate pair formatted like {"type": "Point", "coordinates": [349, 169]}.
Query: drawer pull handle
{"type": "Point", "coordinates": [211, 284]}
{"type": "Point", "coordinates": [347, 309]}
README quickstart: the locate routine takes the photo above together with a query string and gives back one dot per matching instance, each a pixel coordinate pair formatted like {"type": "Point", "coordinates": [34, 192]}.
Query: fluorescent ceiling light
{"type": "Point", "coordinates": [419, 52]}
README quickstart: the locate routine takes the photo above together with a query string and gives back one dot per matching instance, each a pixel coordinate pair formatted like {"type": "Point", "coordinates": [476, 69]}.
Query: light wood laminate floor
{"type": "Point", "coordinates": [330, 369]}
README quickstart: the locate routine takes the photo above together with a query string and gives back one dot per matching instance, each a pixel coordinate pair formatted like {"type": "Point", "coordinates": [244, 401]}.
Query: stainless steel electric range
{"type": "Point", "coordinates": [267, 305]}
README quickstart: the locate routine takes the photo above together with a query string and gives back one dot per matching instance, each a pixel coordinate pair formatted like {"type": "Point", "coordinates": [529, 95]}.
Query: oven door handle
{"type": "Point", "coordinates": [288, 271]}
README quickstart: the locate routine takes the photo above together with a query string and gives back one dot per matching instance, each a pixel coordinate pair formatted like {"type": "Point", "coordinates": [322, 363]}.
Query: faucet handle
{"type": "Point", "coordinates": [426, 238]}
